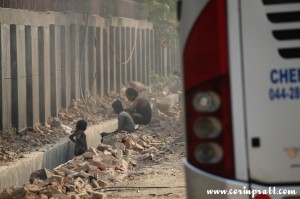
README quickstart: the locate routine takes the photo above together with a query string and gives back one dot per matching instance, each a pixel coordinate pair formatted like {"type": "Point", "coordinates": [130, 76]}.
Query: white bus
{"type": "Point", "coordinates": [241, 68]}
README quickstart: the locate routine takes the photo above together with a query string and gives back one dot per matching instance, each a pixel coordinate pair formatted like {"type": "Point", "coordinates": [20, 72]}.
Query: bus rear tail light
{"type": "Point", "coordinates": [207, 93]}
{"type": "Point", "coordinates": [207, 127]}
{"type": "Point", "coordinates": [206, 102]}
{"type": "Point", "coordinates": [209, 153]}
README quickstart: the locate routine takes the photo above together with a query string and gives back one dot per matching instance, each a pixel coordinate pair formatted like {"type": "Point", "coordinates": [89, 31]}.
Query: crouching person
{"type": "Point", "coordinates": [125, 121]}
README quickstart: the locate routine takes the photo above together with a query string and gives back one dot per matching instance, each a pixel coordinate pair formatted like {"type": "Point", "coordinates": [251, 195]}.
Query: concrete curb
{"type": "Point", "coordinates": [19, 172]}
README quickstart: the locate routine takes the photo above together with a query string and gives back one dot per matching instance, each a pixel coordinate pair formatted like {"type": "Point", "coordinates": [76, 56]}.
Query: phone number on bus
{"type": "Point", "coordinates": [290, 93]}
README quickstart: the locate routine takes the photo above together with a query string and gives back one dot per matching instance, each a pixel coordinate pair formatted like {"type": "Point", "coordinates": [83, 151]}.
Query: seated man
{"type": "Point", "coordinates": [125, 122]}
{"type": "Point", "coordinates": [140, 110]}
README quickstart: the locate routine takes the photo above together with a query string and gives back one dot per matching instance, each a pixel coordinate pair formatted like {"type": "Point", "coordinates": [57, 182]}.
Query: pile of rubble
{"type": "Point", "coordinates": [90, 174]}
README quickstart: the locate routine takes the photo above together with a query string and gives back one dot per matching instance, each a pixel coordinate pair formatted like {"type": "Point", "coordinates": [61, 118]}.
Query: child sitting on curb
{"type": "Point", "coordinates": [80, 138]}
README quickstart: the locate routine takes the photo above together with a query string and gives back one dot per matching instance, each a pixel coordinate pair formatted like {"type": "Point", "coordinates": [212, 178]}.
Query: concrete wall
{"type": "Point", "coordinates": [47, 59]}
{"type": "Point", "coordinates": [49, 157]}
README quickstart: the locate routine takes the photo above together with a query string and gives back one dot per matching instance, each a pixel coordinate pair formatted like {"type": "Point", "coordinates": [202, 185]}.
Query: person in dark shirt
{"type": "Point", "coordinates": [125, 121]}
{"type": "Point", "coordinates": [140, 110]}
{"type": "Point", "coordinates": [79, 138]}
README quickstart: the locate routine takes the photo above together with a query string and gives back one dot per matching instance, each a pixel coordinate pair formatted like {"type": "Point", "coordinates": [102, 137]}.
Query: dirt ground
{"type": "Point", "coordinates": [162, 178]}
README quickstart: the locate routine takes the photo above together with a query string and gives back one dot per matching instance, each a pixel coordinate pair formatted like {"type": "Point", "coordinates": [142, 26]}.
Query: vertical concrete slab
{"type": "Point", "coordinates": [85, 66]}
{"type": "Point", "coordinates": [101, 55]}
{"type": "Point", "coordinates": [14, 75]}
{"type": "Point", "coordinates": [160, 58]}
{"type": "Point", "coordinates": [143, 46]}
{"type": "Point", "coordinates": [18, 72]}
{"type": "Point", "coordinates": [67, 59]}
{"type": "Point", "coordinates": [21, 77]}
{"type": "Point", "coordinates": [63, 67]}
{"type": "Point", "coordinates": [169, 65]}
{"type": "Point", "coordinates": [123, 54]}
{"type": "Point", "coordinates": [106, 60]}
{"type": "Point", "coordinates": [1, 80]}
{"type": "Point", "coordinates": [47, 76]}
{"type": "Point", "coordinates": [35, 75]}
{"type": "Point", "coordinates": [139, 55]}
{"type": "Point", "coordinates": [6, 76]}
{"type": "Point", "coordinates": [148, 57]}
{"type": "Point", "coordinates": [118, 58]}
{"type": "Point", "coordinates": [165, 61]}
{"type": "Point", "coordinates": [152, 52]}
{"type": "Point", "coordinates": [53, 70]}
{"type": "Point", "coordinates": [129, 48]}
{"type": "Point", "coordinates": [173, 66]}
{"type": "Point", "coordinates": [98, 55]}
{"type": "Point", "coordinates": [41, 71]}
{"type": "Point", "coordinates": [32, 83]}
{"type": "Point", "coordinates": [112, 66]}
{"type": "Point", "coordinates": [92, 61]}
{"type": "Point", "coordinates": [82, 61]}
{"type": "Point", "coordinates": [58, 67]}
{"type": "Point", "coordinates": [74, 61]}
{"type": "Point", "coordinates": [134, 54]}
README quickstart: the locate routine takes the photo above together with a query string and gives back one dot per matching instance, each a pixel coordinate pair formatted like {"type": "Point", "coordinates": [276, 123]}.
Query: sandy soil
{"type": "Point", "coordinates": [162, 178]}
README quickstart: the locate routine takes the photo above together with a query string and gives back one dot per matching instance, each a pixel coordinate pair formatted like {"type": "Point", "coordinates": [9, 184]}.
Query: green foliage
{"type": "Point", "coordinates": [163, 16]}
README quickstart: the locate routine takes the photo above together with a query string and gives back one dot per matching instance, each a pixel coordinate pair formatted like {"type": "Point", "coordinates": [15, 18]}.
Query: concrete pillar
{"type": "Point", "coordinates": [129, 47]}
{"type": "Point", "coordinates": [112, 66]}
{"type": "Point", "coordinates": [147, 57]}
{"type": "Point", "coordinates": [44, 71]}
{"type": "Point", "coordinates": [92, 61]}
{"type": "Point", "coordinates": [139, 55]}
{"type": "Point", "coordinates": [55, 69]}
{"type": "Point", "coordinates": [165, 61]}
{"type": "Point", "coordinates": [169, 59]}
{"type": "Point", "coordinates": [157, 57]}
{"type": "Point", "coordinates": [152, 53]}
{"type": "Point", "coordinates": [124, 57]}
{"type": "Point", "coordinates": [5, 77]}
{"type": "Point", "coordinates": [143, 46]}
{"type": "Point", "coordinates": [67, 62]}
{"type": "Point", "coordinates": [32, 71]}
{"type": "Point", "coordinates": [63, 66]}
{"type": "Point", "coordinates": [1, 79]}
{"type": "Point", "coordinates": [75, 61]}
{"type": "Point", "coordinates": [160, 59]}
{"type": "Point", "coordinates": [106, 60]}
{"type": "Point", "coordinates": [101, 56]}
{"type": "Point", "coordinates": [118, 58]}
{"type": "Point", "coordinates": [134, 54]}
{"type": "Point", "coordinates": [99, 61]}
{"type": "Point", "coordinates": [83, 66]}
{"type": "Point", "coordinates": [18, 74]}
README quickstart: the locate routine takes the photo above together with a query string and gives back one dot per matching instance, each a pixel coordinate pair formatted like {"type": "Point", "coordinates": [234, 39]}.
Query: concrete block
{"type": "Point", "coordinates": [75, 61]}
{"type": "Point", "coordinates": [21, 77]}
{"type": "Point", "coordinates": [91, 50]}
{"type": "Point", "coordinates": [65, 67]}
{"type": "Point", "coordinates": [6, 77]}
{"type": "Point", "coordinates": [112, 64]}
{"type": "Point", "coordinates": [46, 73]}
{"type": "Point", "coordinates": [35, 76]}
{"type": "Point", "coordinates": [55, 69]}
